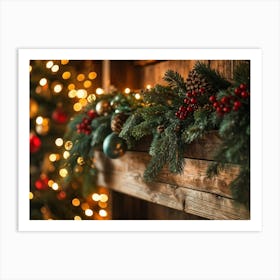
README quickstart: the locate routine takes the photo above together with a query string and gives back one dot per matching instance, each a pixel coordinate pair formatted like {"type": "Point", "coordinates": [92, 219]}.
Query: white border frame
{"type": "Point", "coordinates": [254, 55]}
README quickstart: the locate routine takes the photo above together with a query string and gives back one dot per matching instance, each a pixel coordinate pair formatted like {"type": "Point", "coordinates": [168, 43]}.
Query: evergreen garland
{"type": "Point", "coordinates": [175, 117]}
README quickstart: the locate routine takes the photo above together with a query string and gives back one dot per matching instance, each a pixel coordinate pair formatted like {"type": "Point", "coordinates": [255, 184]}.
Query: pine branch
{"type": "Point", "coordinates": [241, 74]}
{"type": "Point", "coordinates": [202, 124]}
{"type": "Point", "coordinates": [166, 148]}
{"type": "Point", "coordinates": [158, 161]}
{"type": "Point", "coordinates": [128, 126]}
{"type": "Point", "coordinates": [100, 133]}
{"type": "Point", "coordinates": [142, 129]}
{"type": "Point", "coordinates": [159, 95]}
{"type": "Point", "coordinates": [175, 80]}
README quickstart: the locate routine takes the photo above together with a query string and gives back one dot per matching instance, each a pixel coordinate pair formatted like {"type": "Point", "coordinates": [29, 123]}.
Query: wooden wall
{"type": "Point", "coordinates": [138, 74]}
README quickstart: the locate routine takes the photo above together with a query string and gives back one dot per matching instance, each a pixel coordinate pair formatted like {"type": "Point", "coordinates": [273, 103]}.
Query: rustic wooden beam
{"type": "Point", "coordinates": [203, 204]}
{"type": "Point", "coordinates": [193, 176]}
{"type": "Point", "coordinates": [203, 148]}
{"type": "Point", "coordinates": [191, 192]}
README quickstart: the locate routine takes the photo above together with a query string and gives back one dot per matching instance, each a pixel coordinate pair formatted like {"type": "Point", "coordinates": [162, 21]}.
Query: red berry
{"type": "Point", "coordinates": [177, 114]}
{"type": "Point", "coordinates": [193, 100]}
{"type": "Point", "coordinates": [244, 94]}
{"type": "Point", "coordinates": [182, 108]}
{"type": "Point", "coordinates": [235, 108]}
{"type": "Point", "coordinates": [92, 114]}
{"type": "Point", "coordinates": [216, 104]}
{"type": "Point", "coordinates": [237, 104]}
{"type": "Point", "coordinates": [190, 109]}
{"type": "Point", "coordinates": [186, 101]}
{"type": "Point", "coordinates": [237, 91]}
{"type": "Point", "coordinates": [242, 86]}
{"type": "Point", "coordinates": [194, 93]}
{"type": "Point", "coordinates": [224, 100]}
{"type": "Point", "coordinates": [86, 121]}
{"type": "Point", "coordinates": [189, 94]}
{"type": "Point", "coordinates": [212, 98]}
{"type": "Point", "coordinates": [226, 109]}
{"type": "Point", "coordinates": [219, 110]}
{"type": "Point", "coordinates": [182, 116]}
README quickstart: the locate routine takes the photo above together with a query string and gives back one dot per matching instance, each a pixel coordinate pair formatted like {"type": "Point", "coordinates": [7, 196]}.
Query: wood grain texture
{"type": "Point", "coordinates": [203, 148]}
{"type": "Point", "coordinates": [194, 173]}
{"type": "Point", "coordinates": [203, 204]}
{"type": "Point", "coordinates": [153, 74]}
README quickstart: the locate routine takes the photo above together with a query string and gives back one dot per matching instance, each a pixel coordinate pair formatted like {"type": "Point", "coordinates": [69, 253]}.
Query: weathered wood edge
{"type": "Point", "coordinates": [191, 201]}
{"type": "Point", "coordinates": [194, 173]}
{"type": "Point", "coordinates": [203, 148]}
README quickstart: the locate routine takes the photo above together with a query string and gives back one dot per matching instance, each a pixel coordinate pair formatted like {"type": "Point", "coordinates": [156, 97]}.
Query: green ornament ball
{"type": "Point", "coordinates": [114, 146]}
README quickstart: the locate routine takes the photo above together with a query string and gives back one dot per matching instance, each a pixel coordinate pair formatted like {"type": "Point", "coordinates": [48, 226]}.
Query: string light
{"type": "Point", "coordinates": [66, 155]}
{"type": "Point", "coordinates": [43, 82]}
{"type": "Point", "coordinates": [103, 197]}
{"type": "Point", "coordinates": [72, 93]}
{"type": "Point", "coordinates": [80, 161]}
{"type": "Point", "coordinates": [88, 212]}
{"type": "Point", "coordinates": [92, 75]}
{"type": "Point", "coordinates": [137, 96]}
{"type": "Point", "coordinates": [127, 90]}
{"type": "Point", "coordinates": [64, 62]}
{"type": "Point", "coordinates": [103, 213]}
{"type": "Point", "coordinates": [66, 75]}
{"type": "Point", "coordinates": [148, 87]}
{"type": "Point", "coordinates": [99, 91]}
{"type": "Point", "coordinates": [95, 197]}
{"type": "Point", "coordinates": [58, 88]}
{"type": "Point", "coordinates": [59, 142]}
{"type": "Point", "coordinates": [68, 145]}
{"type": "Point", "coordinates": [85, 206]}
{"type": "Point", "coordinates": [49, 64]}
{"type": "Point", "coordinates": [81, 93]}
{"type": "Point", "coordinates": [102, 204]}
{"type": "Point", "coordinates": [55, 186]}
{"type": "Point", "coordinates": [63, 172]}
{"type": "Point", "coordinates": [38, 90]}
{"type": "Point", "coordinates": [83, 102]}
{"type": "Point", "coordinates": [71, 86]}
{"type": "Point", "coordinates": [39, 120]}
{"type": "Point", "coordinates": [30, 68]}
{"type": "Point", "coordinates": [50, 183]}
{"type": "Point", "coordinates": [76, 202]}
{"type": "Point", "coordinates": [91, 98]}
{"type": "Point", "coordinates": [80, 77]}
{"type": "Point", "coordinates": [31, 195]}
{"type": "Point", "coordinates": [87, 84]}
{"type": "Point", "coordinates": [77, 107]}
{"type": "Point", "coordinates": [53, 157]}
{"type": "Point", "coordinates": [55, 68]}
{"type": "Point", "coordinates": [77, 218]}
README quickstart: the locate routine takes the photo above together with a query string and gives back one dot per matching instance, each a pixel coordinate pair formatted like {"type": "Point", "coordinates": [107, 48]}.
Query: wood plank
{"type": "Point", "coordinates": [203, 148]}
{"type": "Point", "coordinates": [191, 201]}
{"type": "Point", "coordinates": [194, 173]}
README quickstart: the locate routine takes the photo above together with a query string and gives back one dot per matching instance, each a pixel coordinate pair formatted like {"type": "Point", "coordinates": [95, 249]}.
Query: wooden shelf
{"type": "Point", "coordinates": [191, 192]}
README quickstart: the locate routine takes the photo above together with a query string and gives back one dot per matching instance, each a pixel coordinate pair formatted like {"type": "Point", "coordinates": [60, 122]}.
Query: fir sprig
{"type": "Point", "coordinates": [175, 81]}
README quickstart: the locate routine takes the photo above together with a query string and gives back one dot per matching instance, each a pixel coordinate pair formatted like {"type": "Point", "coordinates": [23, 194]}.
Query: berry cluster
{"type": "Point", "coordinates": [190, 103]}
{"type": "Point", "coordinates": [227, 103]}
{"type": "Point", "coordinates": [84, 126]}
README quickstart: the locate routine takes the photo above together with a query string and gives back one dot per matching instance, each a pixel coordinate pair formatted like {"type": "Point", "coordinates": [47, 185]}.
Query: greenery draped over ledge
{"type": "Point", "coordinates": [174, 116]}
